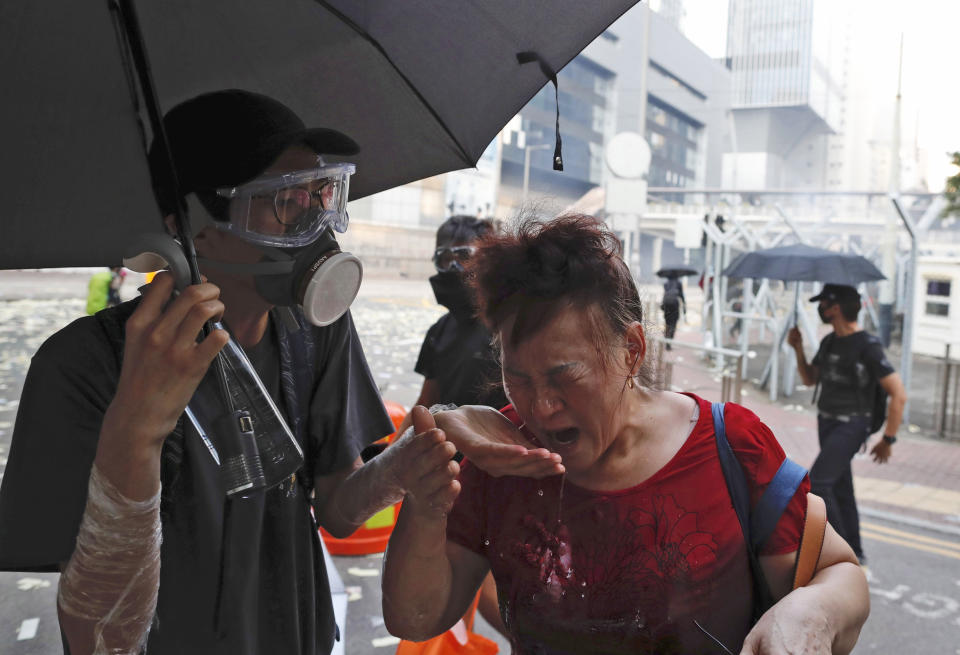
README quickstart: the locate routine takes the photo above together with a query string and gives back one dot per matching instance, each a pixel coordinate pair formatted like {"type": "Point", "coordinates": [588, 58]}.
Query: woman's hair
{"type": "Point", "coordinates": [538, 267]}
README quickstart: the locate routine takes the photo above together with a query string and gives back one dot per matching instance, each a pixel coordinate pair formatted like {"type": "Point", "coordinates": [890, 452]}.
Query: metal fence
{"type": "Point", "coordinates": [729, 364]}
{"type": "Point", "coordinates": [947, 401]}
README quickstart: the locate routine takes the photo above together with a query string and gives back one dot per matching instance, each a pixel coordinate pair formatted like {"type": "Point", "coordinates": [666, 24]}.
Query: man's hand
{"type": "Point", "coordinates": [796, 624]}
{"type": "Point", "coordinates": [490, 441]}
{"type": "Point", "coordinates": [163, 363]}
{"type": "Point", "coordinates": [794, 338]}
{"type": "Point", "coordinates": [881, 451]}
{"type": "Point", "coordinates": [422, 463]}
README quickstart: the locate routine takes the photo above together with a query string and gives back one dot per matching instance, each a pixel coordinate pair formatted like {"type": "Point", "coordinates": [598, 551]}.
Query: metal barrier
{"type": "Point", "coordinates": [731, 376]}
{"type": "Point", "coordinates": [947, 404]}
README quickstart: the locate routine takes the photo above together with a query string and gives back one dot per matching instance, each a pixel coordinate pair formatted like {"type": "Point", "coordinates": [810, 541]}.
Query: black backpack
{"type": "Point", "coordinates": [873, 396]}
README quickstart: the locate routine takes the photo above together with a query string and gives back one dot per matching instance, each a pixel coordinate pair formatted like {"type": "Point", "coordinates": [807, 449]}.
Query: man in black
{"type": "Point", "coordinates": [104, 400]}
{"type": "Point", "coordinates": [457, 360]}
{"type": "Point", "coordinates": [848, 366]}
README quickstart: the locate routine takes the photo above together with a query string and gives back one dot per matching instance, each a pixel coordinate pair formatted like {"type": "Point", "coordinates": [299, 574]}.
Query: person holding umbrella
{"type": "Point", "coordinates": [848, 368]}
{"type": "Point", "coordinates": [672, 301]}
{"type": "Point", "coordinates": [101, 418]}
{"type": "Point", "coordinates": [673, 298]}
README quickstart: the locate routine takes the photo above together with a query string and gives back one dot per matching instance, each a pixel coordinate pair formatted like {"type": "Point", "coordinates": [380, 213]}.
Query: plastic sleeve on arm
{"type": "Point", "coordinates": [114, 574]}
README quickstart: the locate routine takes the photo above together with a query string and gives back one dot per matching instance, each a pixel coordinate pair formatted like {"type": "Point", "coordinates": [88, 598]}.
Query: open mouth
{"type": "Point", "coordinates": [564, 437]}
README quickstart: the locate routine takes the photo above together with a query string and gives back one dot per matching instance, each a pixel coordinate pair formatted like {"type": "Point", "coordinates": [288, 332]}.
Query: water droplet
{"type": "Point", "coordinates": [583, 584]}
{"type": "Point", "coordinates": [486, 542]}
{"type": "Point", "coordinates": [582, 596]}
{"type": "Point", "coordinates": [539, 492]}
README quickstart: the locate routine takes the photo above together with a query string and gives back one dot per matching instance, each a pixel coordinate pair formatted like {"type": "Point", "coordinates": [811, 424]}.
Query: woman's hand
{"type": "Point", "coordinates": [796, 624]}
{"type": "Point", "coordinates": [421, 462]}
{"type": "Point", "coordinates": [490, 441]}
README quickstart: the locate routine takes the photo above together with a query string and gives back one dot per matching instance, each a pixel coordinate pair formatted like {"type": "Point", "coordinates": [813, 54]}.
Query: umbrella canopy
{"type": "Point", "coordinates": [676, 272]}
{"type": "Point", "coordinates": [422, 86]}
{"type": "Point", "coordinates": [800, 262]}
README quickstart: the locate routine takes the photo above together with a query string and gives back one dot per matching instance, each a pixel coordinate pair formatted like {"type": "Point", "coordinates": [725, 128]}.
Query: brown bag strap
{"type": "Point", "coordinates": [811, 542]}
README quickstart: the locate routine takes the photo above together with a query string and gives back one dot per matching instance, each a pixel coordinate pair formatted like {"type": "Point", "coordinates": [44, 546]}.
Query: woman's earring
{"type": "Point", "coordinates": [630, 382]}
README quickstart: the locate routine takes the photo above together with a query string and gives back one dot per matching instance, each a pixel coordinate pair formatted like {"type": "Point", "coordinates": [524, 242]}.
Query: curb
{"type": "Point", "coordinates": [902, 519]}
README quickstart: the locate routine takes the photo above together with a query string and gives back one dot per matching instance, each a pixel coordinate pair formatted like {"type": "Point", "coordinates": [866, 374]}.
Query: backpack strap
{"type": "Point", "coordinates": [774, 501]}
{"type": "Point", "coordinates": [732, 471]}
{"type": "Point", "coordinates": [740, 495]}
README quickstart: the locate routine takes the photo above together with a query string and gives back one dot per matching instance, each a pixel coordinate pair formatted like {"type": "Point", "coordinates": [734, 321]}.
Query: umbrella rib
{"type": "Point", "coordinates": [423, 101]}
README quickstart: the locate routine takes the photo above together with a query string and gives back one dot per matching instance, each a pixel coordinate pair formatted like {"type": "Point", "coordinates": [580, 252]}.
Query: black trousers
{"type": "Point", "coordinates": [832, 479]}
{"type": "Point", "coordinates": [671, 314]}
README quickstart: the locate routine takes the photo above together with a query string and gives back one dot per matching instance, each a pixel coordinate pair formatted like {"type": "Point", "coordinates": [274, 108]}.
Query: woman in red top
{"type": "Point", "coordinates": [634, 547]}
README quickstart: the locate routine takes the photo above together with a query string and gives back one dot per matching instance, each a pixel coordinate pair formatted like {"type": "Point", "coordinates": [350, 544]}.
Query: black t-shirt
{"type": "Point", "coordinates": [274, 596]}
{"type": "Point", "coordinates": [849, 366]}
{"type": "Point", "coordinates": [458, 355]}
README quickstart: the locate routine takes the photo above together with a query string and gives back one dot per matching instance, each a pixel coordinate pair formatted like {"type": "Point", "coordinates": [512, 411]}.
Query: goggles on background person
{"type": "Point", "coordinates": [452, 258]}
{"type": "Point", "coordinates": [289, 209]}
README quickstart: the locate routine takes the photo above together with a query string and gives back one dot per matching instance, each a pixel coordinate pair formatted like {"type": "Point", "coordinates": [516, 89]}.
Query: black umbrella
{"type": "Point", "coordinates": [676, 272]}
{"type": "Point", "coordinates": [422, 85]}
{"type": "Point", "coordinates": [801, 262]}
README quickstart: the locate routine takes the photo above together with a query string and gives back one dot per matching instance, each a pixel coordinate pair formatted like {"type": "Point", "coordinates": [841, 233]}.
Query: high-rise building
{"type": "Point", "coordinates": [672, 11]}
{"type": "Point", "coordinates": [786, 59]}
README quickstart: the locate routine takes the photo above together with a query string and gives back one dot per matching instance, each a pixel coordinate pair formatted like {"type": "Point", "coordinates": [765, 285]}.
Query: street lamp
{"type": "Point", "coordinates": [526, 167]}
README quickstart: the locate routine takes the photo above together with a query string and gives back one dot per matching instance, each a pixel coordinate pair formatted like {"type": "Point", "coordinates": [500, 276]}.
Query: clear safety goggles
{"type": "Point", "coordinates": [452, 258]}
{"type": "Point", "coordinates": [290, 209]}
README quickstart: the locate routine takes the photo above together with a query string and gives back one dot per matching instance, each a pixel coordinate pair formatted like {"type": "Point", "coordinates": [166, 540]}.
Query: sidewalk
{"type": "Point", "coordinates": [920, 483]}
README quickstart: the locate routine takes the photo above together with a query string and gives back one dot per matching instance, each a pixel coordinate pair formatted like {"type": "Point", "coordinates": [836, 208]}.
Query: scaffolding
{"type": "Point", "coordinates": [819, 218]}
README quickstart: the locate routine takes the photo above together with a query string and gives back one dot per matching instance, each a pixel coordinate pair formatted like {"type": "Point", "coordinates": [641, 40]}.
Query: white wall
{"type": "Point", "coordinates": [933, 332]}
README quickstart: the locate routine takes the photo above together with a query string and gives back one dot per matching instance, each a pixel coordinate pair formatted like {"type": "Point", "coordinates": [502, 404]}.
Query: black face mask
{"type": "Point", "coordinates": [451, 292]}
{"type": "Point", "coordinates": [822, 317]}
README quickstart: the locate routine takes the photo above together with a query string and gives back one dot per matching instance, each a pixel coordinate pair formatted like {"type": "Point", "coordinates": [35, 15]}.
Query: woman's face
{"type": "Point", "coordinates": [559, 385]}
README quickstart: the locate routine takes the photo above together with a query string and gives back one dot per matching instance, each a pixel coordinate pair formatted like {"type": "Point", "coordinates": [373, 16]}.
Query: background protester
{"type": "Point", "coordinates": [849, 369]}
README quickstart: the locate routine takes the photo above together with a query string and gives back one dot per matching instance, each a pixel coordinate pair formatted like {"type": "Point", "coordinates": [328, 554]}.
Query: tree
{"type": "Point", "coordinates": [952, 191]}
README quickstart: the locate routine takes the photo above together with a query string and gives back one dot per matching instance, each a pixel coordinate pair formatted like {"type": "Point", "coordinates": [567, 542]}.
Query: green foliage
{"type": "Point", "coordinates": [952, 191]}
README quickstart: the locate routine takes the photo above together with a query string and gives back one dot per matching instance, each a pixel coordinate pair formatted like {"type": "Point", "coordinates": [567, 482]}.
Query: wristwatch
{"type": "Point", "coordinates": [889, 439]}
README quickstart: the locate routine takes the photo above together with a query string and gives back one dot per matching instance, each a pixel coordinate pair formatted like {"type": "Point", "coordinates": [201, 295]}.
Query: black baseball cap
{"type": "Point", "coordinates": [836, 293]}
{"type": "Point", "coordinates": [225, 138]}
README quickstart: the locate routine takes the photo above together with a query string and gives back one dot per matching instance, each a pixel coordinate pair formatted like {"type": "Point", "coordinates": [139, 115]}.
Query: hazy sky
{"type": "Point", "coordinates": [931, 83]}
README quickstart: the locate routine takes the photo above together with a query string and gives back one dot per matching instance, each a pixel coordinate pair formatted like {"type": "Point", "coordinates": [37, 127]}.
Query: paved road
{"type": "Point", "coordinates": [915, 573]}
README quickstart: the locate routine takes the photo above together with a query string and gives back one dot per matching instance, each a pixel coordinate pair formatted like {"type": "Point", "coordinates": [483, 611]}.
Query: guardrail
{"type": "Point", "coordinates": [731, 377]}
{"type": "Point", "coordinates": [947, 405]}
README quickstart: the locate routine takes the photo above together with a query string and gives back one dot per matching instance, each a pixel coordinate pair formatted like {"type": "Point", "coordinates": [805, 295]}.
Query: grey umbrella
{"type": "Point", "coordinates": [801, 262]}
{"type": "Point", "coordinates": [422, 85]}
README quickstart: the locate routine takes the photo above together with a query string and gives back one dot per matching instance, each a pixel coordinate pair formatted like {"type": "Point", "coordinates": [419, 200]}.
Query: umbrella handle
{"type": "Point", "coordinates": [152, 251]}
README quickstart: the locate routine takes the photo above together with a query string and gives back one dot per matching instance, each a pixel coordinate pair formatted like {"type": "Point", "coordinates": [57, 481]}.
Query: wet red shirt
{"type": "Point", "coordinates": [628, 571]}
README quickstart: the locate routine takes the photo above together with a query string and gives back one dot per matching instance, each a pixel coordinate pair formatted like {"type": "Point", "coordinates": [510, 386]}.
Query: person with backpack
{"type": "Point", "coordinates": [854, 379]}
{"type": "Point", "coordinates": [673, 301]}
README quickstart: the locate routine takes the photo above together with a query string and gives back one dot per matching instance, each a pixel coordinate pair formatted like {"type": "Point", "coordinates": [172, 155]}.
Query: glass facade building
{"type": "Point", "coordinates": [674, 140]}
{"type": "Point", "coordinates": [585, 96]}
{"type": "Point", "coordinates": [781, 53]}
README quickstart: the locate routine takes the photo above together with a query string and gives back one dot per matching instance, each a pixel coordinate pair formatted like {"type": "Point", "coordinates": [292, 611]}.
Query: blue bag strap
{"type": "Point", "coordinates": [740, 495]}
{"type": "Point", "coordinates": [732, 472]}
{"type": "Point", "coordinates": [774, 501]}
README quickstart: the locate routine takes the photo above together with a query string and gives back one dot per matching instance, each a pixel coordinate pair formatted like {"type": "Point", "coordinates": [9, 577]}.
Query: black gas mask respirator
{"type": "Point", "coordinates": [250, 440]}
